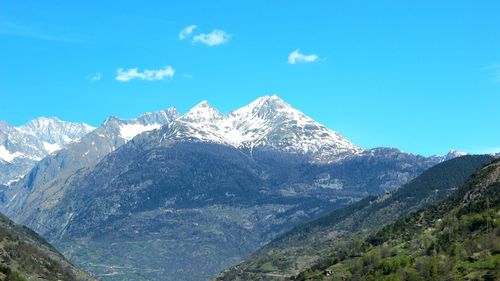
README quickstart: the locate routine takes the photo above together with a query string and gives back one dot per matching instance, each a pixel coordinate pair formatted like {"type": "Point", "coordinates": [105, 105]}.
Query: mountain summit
{"type": "Point", "coordinates": [54, 131]}
{"type": "Point", "coordinates": [266, 123]}
{"type": "Point", "coordinates": [202, 113]}
{"type": "Point", "coordinates": [270, 122]}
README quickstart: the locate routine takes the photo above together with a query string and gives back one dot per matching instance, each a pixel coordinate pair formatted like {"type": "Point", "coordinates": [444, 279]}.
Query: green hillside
{"type": "Point", "coordinates": [457, 239]}
{"type": "Point", "coordinates": [26, 256]}
{"type": "Point", "coordinates": [313, 242]}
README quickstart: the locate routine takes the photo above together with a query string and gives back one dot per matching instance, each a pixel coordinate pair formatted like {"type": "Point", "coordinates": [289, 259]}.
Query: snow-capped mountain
{"type": "Point", "coordinates": [38, 137]}
{"type": "Point", "coordinates": [203, 170]}
{"type": "Point", "coordinates": [167, 178]}
{"type": "Point", "coordinates": [85, 152]}
{"type": "Point", "coordinates": [146, 122]}
{"type": "Point", "coordinates": [55, 133]}
{"type": "Point", "coordinates": [266, 123]}
{"type": "Point", "coordinates": [453, 153]}
{"type": "Point", "coordinates": [114, 132]}
{"type": "Point", "coordinates": [22, 146]}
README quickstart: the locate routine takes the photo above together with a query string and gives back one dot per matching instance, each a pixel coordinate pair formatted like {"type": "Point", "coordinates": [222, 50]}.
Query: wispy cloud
{"type": "Point", "coordinates": [95, 77]}
{"type": "Point", "coordinates": [123, 75]}
{"type": "Point", "coordinates": [297, 57]}
{"type": "Point", "coordinates": [187, 31]}
{"type": "Point", "coordinates": [214, 38]}
{"type": "Point", "coordinates": [14, 29]}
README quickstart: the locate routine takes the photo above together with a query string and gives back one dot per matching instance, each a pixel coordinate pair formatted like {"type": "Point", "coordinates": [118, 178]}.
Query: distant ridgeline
{"type": "Point", "coordinates": [21, 147]}
{"type": "Point", "coordinates": [457, 238]}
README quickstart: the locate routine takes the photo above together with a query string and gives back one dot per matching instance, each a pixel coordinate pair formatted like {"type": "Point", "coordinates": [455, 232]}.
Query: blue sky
{"type": "Point", "coordinates": [423, 76]}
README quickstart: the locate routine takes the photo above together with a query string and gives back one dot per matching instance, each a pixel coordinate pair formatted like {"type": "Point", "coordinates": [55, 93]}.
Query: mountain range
{"type": "Point", "coordinates": [268, 122]}
{"type": "Point", "coordinates": [21, 147]}
{"type": "Point", "coordinates": [198, 192]}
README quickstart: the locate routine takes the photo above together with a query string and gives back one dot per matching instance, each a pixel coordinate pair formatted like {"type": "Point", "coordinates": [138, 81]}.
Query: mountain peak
{"type": "Point", "coordinates": [53, 123]}
{"type": "Point", "coordinates": [202, 112]}
{"type": "Point", "coordinates": [45, 118]}
{"type": "Point", "coordinates": [111, 119]}
{"type": "Point", "coordinates": [272, 122]}
{"type": "Point", "coordinates": [264, 107]}
{"type": "Point", "coordinates": [41, 122]}
{"type": "Point", "coordinates": [55, 131]}
{"type": "Point", "coordinates": [267, 122]}
{"type": "Point", "coordinates": [161, 117]}
{"type": "Point", "coordinates": [172, 111]}
{"type": "Point", "coordinates": [457, 152]}
{"type": "Point", "coordinates": [453, 153]}
{"type": "Point", "coordinates": [270, 100]}
{"type": "Point", "coordinates": [203, 103]}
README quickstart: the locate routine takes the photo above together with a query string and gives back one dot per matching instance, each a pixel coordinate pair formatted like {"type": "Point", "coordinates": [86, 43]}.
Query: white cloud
{"type": "Point", "coordinates": [96, 77]}
{"type": "Point", "coordinates": [216, 37]}
{"type": "Point", "coordinates": [187, 31]}
{"type": "Point", "coordinates": [149, 75]}
{"type": "Point", "coordinates": [297, 57]}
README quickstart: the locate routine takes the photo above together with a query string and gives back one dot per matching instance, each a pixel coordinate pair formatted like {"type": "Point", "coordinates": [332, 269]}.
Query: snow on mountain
{"type": "Point", "coordinates": [148, 121]}
{"type": "Point", "coordinates": [54, 131]}
{"type": "Point", "coordinates": [113, 133]}
{"type": "Point", "coordinates": [22, 146]}
{"type": "Point", "coordinates": [129, 131]}
{"type": "Point", "coordinates": [202, 113]}
{"type": "Point", "coordinates": [159, 117]}
{"type": "Point", "coordinates": [51, 147]}
{"type": "Point", "coordinates": [87, 151]}
{"type": "Point", "coordinates": [453, 153]}
{"type": "Point", "coordinates": [268, 122]}
{"type": "Point", "coordinates": [8, 156]}
{"type": "Point", "coordinates": [202, 123]}
{"type": "Point", "coordinates": [40, 137]}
